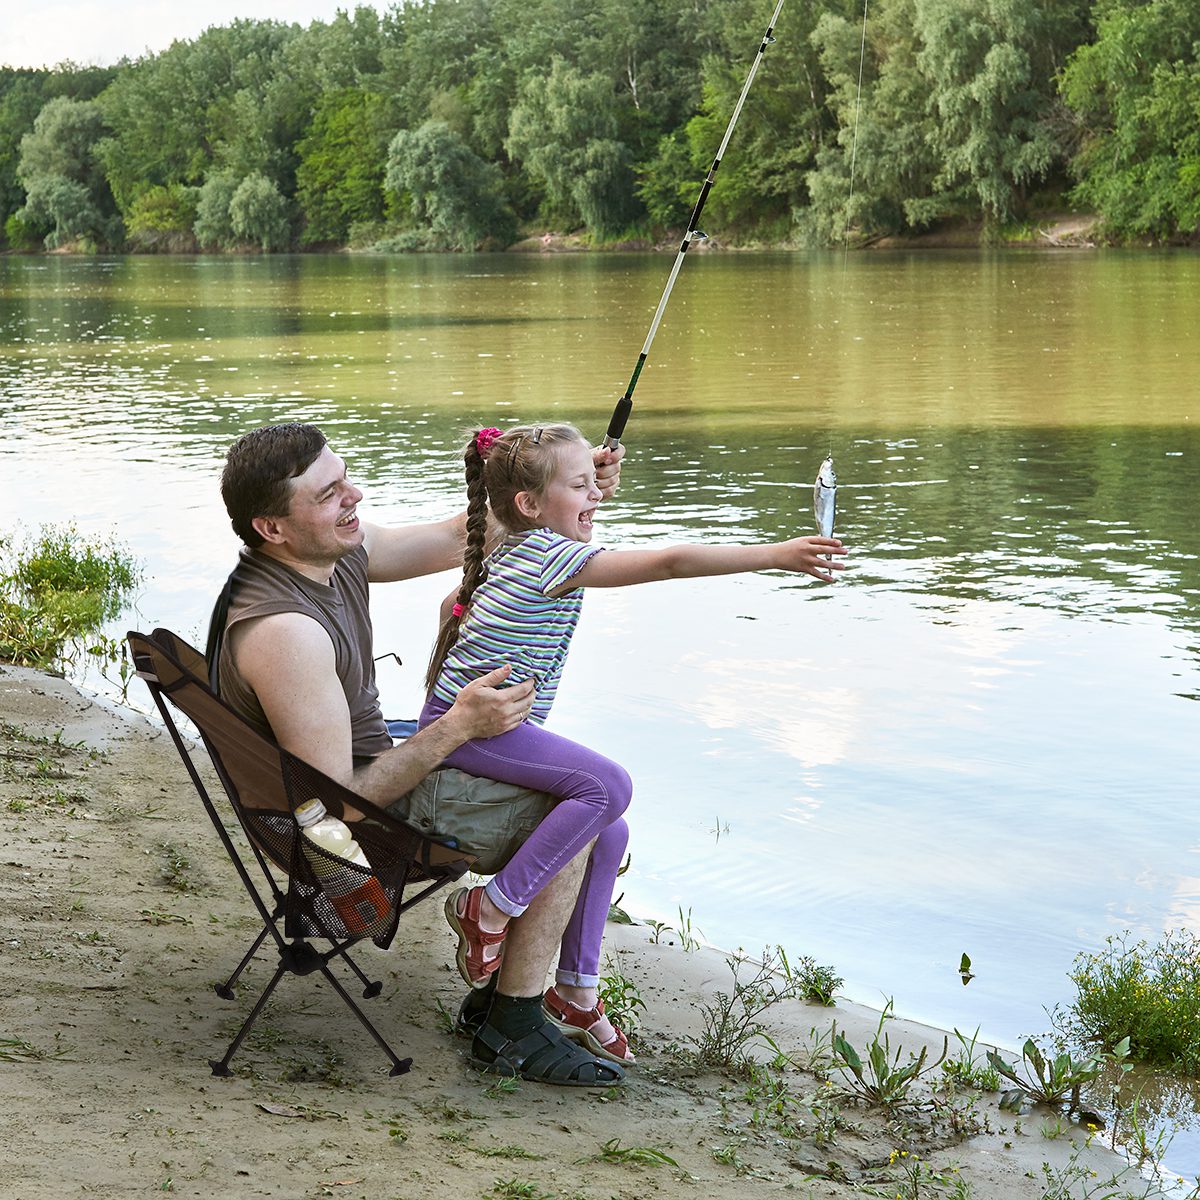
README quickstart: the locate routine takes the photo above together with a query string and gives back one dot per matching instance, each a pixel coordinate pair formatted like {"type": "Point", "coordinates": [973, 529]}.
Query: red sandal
{"type": "Point", "coordinates": [589, 1027]}
{"type": "Point", "coordinates": [473, 965]}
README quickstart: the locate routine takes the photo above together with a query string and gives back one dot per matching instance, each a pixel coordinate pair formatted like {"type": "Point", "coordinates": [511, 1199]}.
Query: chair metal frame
{"type": "Point", "coordinates": [245, 761]}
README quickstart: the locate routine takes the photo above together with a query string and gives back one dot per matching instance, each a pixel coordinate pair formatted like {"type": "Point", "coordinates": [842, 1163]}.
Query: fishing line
{"type": "Point", "coordinates": [862, 57]}
{"type": "Point", "coordinates": [616, 424]}
{"type": "Point", "coordinates": [825, 487]}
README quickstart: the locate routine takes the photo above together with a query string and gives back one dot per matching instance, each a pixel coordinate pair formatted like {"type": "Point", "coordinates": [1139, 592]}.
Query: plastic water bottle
{"type": "Point", "coordinates": [358, 898]}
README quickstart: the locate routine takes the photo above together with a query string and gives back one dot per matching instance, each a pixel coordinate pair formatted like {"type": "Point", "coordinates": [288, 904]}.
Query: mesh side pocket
{"type": "Point", "coordinates": [359, 901]}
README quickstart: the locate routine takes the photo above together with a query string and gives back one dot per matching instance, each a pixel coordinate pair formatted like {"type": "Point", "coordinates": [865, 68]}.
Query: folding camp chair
{"type": "Point", "coordinates": [264, 785]}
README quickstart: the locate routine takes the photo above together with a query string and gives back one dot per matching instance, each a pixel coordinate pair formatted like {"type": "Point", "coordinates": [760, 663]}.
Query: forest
{"type": "Point", "coordinates": [465, 124]}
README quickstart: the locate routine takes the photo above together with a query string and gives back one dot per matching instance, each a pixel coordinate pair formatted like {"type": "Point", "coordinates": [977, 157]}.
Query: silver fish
{"type": "Point", "coordinates": [825, 498]}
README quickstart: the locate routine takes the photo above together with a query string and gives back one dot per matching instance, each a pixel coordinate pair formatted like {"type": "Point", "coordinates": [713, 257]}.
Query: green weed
{"type": "Point", "coordinates": [881, 1079]}
{"type": "Point", "coordinates": [1143, 1142]}
{"type": "Point", "coordinates": [519, 1189]}
{"type": "Point", "coordinates": [505, 1152]}
{"type": "Point", "coordinates": [815, 1054]}
{"type": "Point", "coordinates": [917, 1179]}
{"type": "Point", "coordinates": [622, 998]}
{"type": "Point", "coordinates": [728, 1155]}
{"type": "Point", "coordinates": [1053, 1080]}
{"type": "Point", "coordinates": [18, 1049]}
{"type": "Point", "coordinates": [826, 1121]}
{"type": "Point", "coordinates": [506, 1085]}
{"type": "Point", "coordinates": [175, 867]}
{"type": "Point", "coordinates": [613, 1151]}
{"type": "Point", "coordinates": [966, 1070]}
{"type": "Point", "coordinates": [659, 929]}
{"type": "Point", "coordinates": [1077, 1181]}
{"type": "Point", "coordinates": [690, 940]}
{"type": "Point", "coordinates": [732, 1019]}
{"type": "Point", "coordinates": [772, 1103]}
{"type": "Point", "coordinates": [817, 984]}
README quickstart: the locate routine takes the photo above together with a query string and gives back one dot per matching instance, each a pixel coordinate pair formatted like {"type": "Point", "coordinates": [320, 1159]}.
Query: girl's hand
{"type": "Point", "coordinates": [608, 468]}
{"type": "Point", "coordinates": [809, 555]}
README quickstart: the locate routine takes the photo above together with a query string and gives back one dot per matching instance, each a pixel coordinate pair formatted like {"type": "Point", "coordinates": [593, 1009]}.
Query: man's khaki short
{"type": "Point", "coordinates": [483, 817]}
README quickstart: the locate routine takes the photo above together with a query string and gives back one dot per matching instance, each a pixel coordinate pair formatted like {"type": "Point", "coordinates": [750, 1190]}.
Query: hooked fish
{"type": "Point", "coordinates": [825, 498]}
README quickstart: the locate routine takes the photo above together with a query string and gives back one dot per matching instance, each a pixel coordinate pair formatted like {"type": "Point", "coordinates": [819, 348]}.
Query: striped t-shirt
{"type": "Point", "coordinates": [513, 620]}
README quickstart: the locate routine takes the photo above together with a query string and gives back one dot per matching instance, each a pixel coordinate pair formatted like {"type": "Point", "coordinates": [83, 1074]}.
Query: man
{"type": "Point", "coordinates": [296, 660]}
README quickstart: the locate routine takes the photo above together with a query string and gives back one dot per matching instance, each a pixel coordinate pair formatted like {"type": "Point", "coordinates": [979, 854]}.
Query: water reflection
{"type": "Point", "coordinates": [978, 741]}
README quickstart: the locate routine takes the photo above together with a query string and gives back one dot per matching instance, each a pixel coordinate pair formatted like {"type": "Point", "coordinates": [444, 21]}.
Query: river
{"type": "Point", "coordinates": [980, 740]}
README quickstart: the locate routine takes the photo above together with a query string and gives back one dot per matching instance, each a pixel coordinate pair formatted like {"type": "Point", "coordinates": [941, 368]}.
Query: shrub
{"type": "Point", "coordinates": [21, 233]}
{"type": "Point", "coordinates": [162, 218]}
{"type": "Point", "coordinates": [1148, 993]}
{"type": "Point", "coordinates": [213, 226]}
{"type": "Point", "coordinates": [56, 589]}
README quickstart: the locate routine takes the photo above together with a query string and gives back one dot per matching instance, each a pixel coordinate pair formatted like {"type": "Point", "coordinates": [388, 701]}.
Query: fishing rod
{"type": "Point", "coordinates": [616, 424]}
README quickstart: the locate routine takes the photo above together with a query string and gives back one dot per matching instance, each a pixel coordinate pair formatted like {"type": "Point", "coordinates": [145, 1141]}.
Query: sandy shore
{"type": "Point", "coordinates": [122, 913]}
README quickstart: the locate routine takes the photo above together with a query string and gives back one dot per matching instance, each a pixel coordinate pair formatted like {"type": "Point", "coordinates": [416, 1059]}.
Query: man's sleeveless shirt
{"type": "Point", "coordinates": [263, 586]}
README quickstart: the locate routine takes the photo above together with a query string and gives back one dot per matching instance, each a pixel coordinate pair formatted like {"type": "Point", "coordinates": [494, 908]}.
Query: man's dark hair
{"type": "Point", "coordinates": [259, 469]}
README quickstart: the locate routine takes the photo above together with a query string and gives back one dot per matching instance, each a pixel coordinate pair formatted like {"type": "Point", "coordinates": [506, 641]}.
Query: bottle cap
{"type": "Point", "coordinates": [310, 812]}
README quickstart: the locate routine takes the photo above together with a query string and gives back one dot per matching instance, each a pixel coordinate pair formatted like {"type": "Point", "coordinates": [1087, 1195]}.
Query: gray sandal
{"type": "Point", "coordinates": [542, 1056]}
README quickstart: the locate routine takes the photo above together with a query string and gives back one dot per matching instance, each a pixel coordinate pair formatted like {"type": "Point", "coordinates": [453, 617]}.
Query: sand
{"type": "Point", "coordinates": [122, 912]}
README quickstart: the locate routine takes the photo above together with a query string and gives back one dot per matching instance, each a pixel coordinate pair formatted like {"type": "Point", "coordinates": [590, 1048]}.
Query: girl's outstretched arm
{"type": "Point", "coordinates": [620, 568]}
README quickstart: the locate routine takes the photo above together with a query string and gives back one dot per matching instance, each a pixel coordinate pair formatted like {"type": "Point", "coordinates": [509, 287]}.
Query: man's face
{"type": "Point", "coordinates": [322, 524]}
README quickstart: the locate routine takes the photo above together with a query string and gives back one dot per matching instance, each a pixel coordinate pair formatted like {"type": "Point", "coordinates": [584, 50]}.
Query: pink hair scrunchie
{"type": "Point", "coordinates": [484, 439]}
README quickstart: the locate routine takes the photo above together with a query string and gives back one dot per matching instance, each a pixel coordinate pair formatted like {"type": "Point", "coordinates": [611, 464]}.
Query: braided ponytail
{"type": "Point", "coordinates": [499, 466]}
{"type": "Point", "coordinates": [474, 567]}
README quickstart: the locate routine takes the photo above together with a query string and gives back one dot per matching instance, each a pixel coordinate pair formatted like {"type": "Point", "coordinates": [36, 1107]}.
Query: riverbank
{"type": "Point", "coordinates": [1046, 231]}
{"type": "Point", "coordinates": [123, 913]}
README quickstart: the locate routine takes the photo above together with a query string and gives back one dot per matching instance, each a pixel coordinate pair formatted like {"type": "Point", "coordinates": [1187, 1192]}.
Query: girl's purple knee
{"type": "Point", "coordinates": [618, 788]}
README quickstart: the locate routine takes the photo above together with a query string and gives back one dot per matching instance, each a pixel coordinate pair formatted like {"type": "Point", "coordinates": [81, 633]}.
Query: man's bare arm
{"type": "Point", "coordinates": [409, 551]}
{"type": "Point", "coordinates": [288, 660]}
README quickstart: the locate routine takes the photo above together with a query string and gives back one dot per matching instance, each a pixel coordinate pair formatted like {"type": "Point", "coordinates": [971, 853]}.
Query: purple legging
{"type": "Point", "coordinates": [593, 793]}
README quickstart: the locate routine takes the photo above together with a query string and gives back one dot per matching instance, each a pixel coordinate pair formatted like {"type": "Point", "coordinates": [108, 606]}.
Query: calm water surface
{"type": "Point", "coordinates": [981, 740]}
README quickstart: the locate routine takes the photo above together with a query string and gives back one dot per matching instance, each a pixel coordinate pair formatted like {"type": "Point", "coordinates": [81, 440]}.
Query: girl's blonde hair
{"type": "Point", "coordinates": [499, 466]}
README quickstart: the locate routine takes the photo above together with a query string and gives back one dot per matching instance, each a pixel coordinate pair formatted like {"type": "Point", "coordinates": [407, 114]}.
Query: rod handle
{"type": "Point", "coordinates": [616, 425]}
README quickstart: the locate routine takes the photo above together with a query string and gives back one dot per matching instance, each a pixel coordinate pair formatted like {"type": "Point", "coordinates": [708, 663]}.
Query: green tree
{"type": "Point", "coordinates": [67, 195]}
{"type": "Point", "coordinates": [224, 99]}
{"type": "Point", "coordinates": [450, 188]}
{"type": "Point", "coordinates": [989, 65]}
{"type": "Point", "coordinates": [20, 102]}
{"type": "Point", "coordinates": [1136, 94]}
{"type": "Point", "coordinates": [340, 177]}
{"type": "Point", "coordinates": [762, 177]}
{"type": "Point", "coordinates": [564, 130]}
{"type": "Point", "coordinates": [956, 116]}
{"type": "Point", "coordinates": [881, 158]}
{"type": "Point", "coordinates": [23, 92]}
{"type": "Point", "coordinates": [213, 226]}
{"type": "Point", "coordinates": [258, 213]}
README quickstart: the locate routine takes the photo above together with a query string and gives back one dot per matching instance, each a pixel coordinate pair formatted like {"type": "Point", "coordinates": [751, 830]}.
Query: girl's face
{"type": "Point", "coordinates": [569, 499]}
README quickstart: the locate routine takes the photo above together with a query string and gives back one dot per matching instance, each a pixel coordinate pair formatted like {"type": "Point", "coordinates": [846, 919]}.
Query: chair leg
{"type": "Point", "coordinates": [372, 987]}
{"type": "Point", "coordinates": [221, 1066]}
{"type": "Point", "coordinates": [225, 990]}
{"type": "Point", "coordinates": [300, 958]}
{"type": "Point", "coordinates": [399, 1065]}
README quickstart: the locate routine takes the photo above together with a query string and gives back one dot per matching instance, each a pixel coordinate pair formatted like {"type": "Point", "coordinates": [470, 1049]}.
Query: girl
{"type": "Point", "coordinates": [520, 606]}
